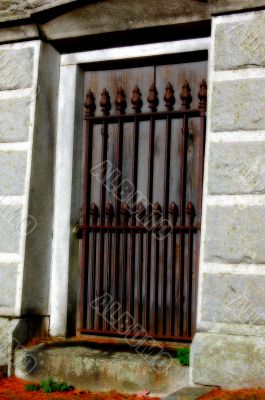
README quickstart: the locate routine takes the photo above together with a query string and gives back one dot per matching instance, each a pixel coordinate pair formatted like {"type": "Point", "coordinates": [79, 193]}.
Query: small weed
{"type": "Point", "coordinates": [183, 356]}
{"type": "Point", "coordinates": [50, 386]}
{"type": "Point", "coordinates": [32, 387]}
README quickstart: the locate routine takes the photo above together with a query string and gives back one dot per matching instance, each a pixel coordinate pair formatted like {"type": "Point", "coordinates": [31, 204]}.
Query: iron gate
{"type": "Point", "coordinates": [139, 256]}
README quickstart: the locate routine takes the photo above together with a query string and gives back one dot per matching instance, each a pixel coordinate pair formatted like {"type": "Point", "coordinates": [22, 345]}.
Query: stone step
{"type": "Point", "coordinates": [103, 368]}
{"type": "Point", "coordinates": [188, 393]}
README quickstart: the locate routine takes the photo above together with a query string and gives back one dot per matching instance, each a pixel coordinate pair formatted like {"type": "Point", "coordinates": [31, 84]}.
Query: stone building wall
{"type": "Point", "coordinates": [18, 88]}
{"type": "Point", "coordinates": [18, 9]}
{"type": "Point", "coordinates": [229, 348]}
{"type": "Point", "coordinates": [29, 73]}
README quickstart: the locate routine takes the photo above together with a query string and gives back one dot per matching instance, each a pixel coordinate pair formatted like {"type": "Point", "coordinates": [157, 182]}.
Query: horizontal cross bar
{"type": "Point", "coordinates": [135, 335]}
{"type": "Point", "coordinates": [142, 228]}
{"type": "Point", "coordinates": [177, 114]}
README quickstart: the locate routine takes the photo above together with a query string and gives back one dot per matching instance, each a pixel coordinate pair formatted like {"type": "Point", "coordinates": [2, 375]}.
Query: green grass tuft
{"type": "Point", "coordinates": [31, 387]}
{"type": "Point", "coordinates": [50, 386]}
{"type": "Point", "coordinates": [183, 356]}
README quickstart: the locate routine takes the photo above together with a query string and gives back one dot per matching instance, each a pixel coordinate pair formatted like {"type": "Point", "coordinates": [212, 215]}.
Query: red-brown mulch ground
{"type": "Point", "coordinates": [243, 394]}
{"type": "Point", "coordinates": [14, 389]}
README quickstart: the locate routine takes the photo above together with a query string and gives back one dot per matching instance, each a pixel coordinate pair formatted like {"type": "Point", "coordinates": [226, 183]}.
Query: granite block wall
{"type": "Point", "coordinates": [228, 349]}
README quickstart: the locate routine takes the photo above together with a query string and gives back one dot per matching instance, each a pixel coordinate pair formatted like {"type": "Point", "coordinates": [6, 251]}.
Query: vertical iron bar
{"type": "Point", "coordinates": [92, 286]}
{"type": "Point", "coordinates": [188, 322]}
{"type": "Point", "coordinates": [86, 268]}
{"type": "Point", "coordinates": [108, 268]}
{"type": "Point", "coordinates": [118, 277]}
{"type": "Point", "coordinates": [169, 99]}
{"type": "Point", "coordinates": [174, 216]}
{"type": "Point", "coordinates": [107, 277]}
{"type": "Point", "coordinates": [120, 103]}
{"type": "Point", "coordinates": [140, 216]}
{"type": "Point", "coordinates": [153, 103]}
{"type": "Point", "coordinates": [84, 307]}
{"type": "Point", "coordinates": [146, 308]}
{"type": "Point", "coordinates": [100, 272]}
{"type": "Point", "coordinates": [155, 323]}
{"type": "Point", "coordinates": [137, 103]}
{"type": "Point", "coordinates": [186, 101]}
{"type": "Point", "coordinates": [105, 108]}
{"type": "Point", "coordinates": [93, 277]}
{"type": "Point", "coordinates": [124, 253]}
{"type": "Point", "coordinates": [189, 283]}
{"type": "Point", "coordinates": [131, 280]}
{"type": "Point", "coordinates": [185, 133]}
{"type": "Point", "coordinates": [165, 217]}
{"type": "Point", "coordinates": [84, 316]}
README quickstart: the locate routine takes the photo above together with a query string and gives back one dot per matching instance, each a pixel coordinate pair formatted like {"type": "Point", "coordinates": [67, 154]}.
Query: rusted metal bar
{"type": "Point", "coordinates": [88, 141]}
{"type": "Point", "coordinates": [105, 108]}
{"type": "Point", "coordinates": [174, 216]}
{"type": "Point", "coordinates": [125, 213]}
{"type": "Point", "coordinates": [186, 101]}
{"type": "Point", "coordinates": [109, 273]}
{"type": "Point", "coordinates": [140, 215]}
{"type": "Point", "coordinates": [134, 335]}
{"type": "Point", "coordinates": [191, 215]}
{"type": "Point", "coordinates": [155, 322]}
{"type": "Point", "coordinates": [92, 286]}
{"type": "Point", "coordinates": [136, 101]}
{"type": "Point", "coordinates": [153, 103]}
{"type": "Point", "coordinates": [160, 115]}
{"type": "Point", "coordinates": [121, 105]}
{"type": "Point", "coordinates": [139, 228]}
{"type": "Point", "coordinates": [169, 103]}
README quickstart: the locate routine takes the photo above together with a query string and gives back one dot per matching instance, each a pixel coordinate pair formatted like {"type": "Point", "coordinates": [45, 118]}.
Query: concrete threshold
{"type": "Point", "coordinates": [189, 393]}
{"type": "Point", "coordinates": [104, 364]}
{"type": "Point", "coordinates": [110, 341]}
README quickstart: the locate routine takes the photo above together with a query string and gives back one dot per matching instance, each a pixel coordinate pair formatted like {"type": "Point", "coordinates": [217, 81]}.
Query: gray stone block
{"type": "Point", "coordinates": [221, 6]}
{"type": "Point", "coordinates": [229, 298]}
{"type": "Point", "coordinates": [16, 66]}
{"type": "Point", "coordinates": [228, 360]}
{"type": "Point", "coordinates": [235, 234]}
{"type": "Point", "coordinates": [238, 105]}
{"type": "Point", "coordinates": [240, 45]}
{"type": "Point", "coordinates": [237, 168]}
{"type": "Point", "coordinates": [18, 33]}
{"type": "Point", "coordinates": [6, 327]}
{"type": "Point", "coordinates": [18, 9]}
{"type": "Point", "coordinates": [92, 19]}
{"type": "Point", "coordinates": [10, 226]}
{"type": "Point", "coordinates": [8, 284]}
{"type": "Point", "coordinates": [84, 367]}
{"type": "Point", "coordinates": [12, 172]}
{"type": "Point", "coordinates": [14, 120]}
{"type": "Point", "coordinates": [188, 393]}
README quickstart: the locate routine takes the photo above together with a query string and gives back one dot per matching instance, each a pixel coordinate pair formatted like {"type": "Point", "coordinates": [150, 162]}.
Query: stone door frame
{"type": "Point", "coordinates": [68, 141]}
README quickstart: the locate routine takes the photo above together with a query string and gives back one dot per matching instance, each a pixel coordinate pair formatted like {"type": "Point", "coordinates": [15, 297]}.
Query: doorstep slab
{"type": "Point", "coordinates": [188, 393]}
{"type": "Point", "coordinates": [103, 368]}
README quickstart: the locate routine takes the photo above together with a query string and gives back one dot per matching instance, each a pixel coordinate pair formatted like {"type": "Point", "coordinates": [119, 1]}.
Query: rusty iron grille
{"type": "Point", "coordinates": [140, 258]}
